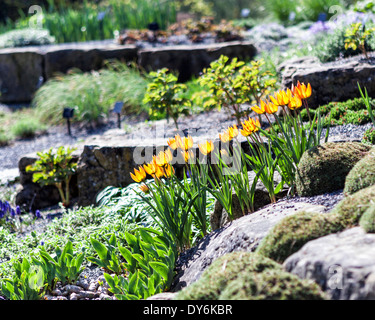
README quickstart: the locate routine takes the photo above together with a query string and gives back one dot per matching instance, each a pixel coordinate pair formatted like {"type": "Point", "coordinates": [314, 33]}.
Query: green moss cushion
{"type": "Point", "coordinates": [362, 175]}
{"type": "Point", "coordinates": [248, 276]}
{"type": "Point", "coordinates": [324, 168]}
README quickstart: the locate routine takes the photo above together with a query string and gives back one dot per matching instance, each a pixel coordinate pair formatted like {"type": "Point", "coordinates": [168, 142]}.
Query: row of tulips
{"type": "Point", "coordinates": [178, 204]}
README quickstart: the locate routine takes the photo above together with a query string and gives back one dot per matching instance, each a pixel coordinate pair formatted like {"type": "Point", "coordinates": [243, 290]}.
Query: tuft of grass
{"type": "Point", "coordinates": [92, 95]}
{"type": "Point", "coordinates": [26, 128]}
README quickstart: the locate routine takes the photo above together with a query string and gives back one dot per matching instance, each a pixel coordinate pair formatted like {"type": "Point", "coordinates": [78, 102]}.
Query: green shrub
{"type": "Point", "coordinates": [324, 168]}
{"type": "Point", "coordinates": [332, 46]}
{"type": "Point", "coordinates": [362, 175]}
{"type": "Point", "coordinates": [25, 37]}
{"type": "Point", "coordinates": [367, 221]}
{"type": "Point", "coordinates": [369, 136]}
{"type": "Point", "coordinates": [244, 275]}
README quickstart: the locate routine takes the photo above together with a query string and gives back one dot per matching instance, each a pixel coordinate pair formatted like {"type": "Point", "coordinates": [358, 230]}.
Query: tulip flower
{"type": "Point", "coordinates": [271, 108]}
{"type": "Point", "coordinates": [144, 188]}
{"type": "Point", "coordinates": [172, 143]}
{"type": "Point", "coordinates": [164, 158]}
{"type": "Point", "coordinates": [184, 143]}
{"type": "Point", "coordinates": [295, 103]}
{"type": "Point", "coordinates": [282, 98]}
{"type": "Point", "coordinates": [139, 175]}
{"type": "Point", "coordinates": [187, 155]}
{"type": "Point", "coordinates": [168, 171]}
{"type": "Point", "coordinates": [206, 147]}
{"type": "Point", "coordinates": [302, 91]}
{"type": "Point", "coordinates": [261, 109]}
{"type": "Point", "coordinates": [250, 126]}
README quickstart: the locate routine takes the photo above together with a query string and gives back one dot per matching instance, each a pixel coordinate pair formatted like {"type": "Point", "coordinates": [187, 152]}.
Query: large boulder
{"type": "Point", "coordinates": [324, 168]}
{"type": "Point", "coordinates": [335, 81]}
{"type": "Point", "coordinates": [362, 175]}
{"type": "Point", "coordinates": [190, 60]}
{"type": "Point", "coordinates": [343, 264]}
{"type": "Point", "coordinates": [21, 74]}
{"type": "Point", "coordinates": [246, 276]}
{"type": "Point", "coordinates": [243, 234]}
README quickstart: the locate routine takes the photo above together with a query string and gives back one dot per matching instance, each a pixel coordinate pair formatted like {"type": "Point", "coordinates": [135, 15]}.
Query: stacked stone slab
{"type": "Point", "coordinates": [24, 70]}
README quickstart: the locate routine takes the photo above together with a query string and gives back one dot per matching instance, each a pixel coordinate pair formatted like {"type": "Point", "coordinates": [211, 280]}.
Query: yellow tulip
{"type": "Point", "coordinates": [164, 158]}
{"type": "Point", "coordinates": [168, 171]}
{"type": "Point", "coordinates": [206, 147]}
{"type": "Point", "coordinates": [261, 109]}
{"type": "Point", "coordinates": [250, 126]}
{"type": "Point", "coordinates": [172, 143]}
{"type": "Point", "coordinates": [295, 103]}
{"type": "Point", "coordinates": [139, 175]}
{"type": "Point", "coordinates": [187, 155]}
{"type": "Point", "coordinates": [184, 143]}
{"type": "Point", "coordinates": [281, 98]}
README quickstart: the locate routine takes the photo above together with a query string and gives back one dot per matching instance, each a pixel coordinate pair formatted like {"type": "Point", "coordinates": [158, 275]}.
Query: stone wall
{"type": "Point", "coordinates": [24, 70]}
{"type": "Point", "coordinates": [330, 81]}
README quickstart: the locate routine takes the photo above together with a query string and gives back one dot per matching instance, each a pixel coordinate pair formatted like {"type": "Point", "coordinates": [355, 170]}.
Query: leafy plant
{"type": "Point", "coordinates": [234, 83]}
{"type": "Point", "coordinates": [27, 282]}
{"type": "Point", "coordinates": [55, 168]}
{"type": "Point", "coordinates": [356, 36]}
{"type": "Point", "coordinates": [64, 264]}
{"type": "Point", "coordinates": [149, 260]}
{"type": "Point", "coordinates": [164, 96]}
{"type": "Point", "coordinates": [108, 255]}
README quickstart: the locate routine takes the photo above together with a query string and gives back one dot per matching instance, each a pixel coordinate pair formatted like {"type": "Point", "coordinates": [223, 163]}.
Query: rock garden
{"type": "Point", "coordinates": [191, 152]}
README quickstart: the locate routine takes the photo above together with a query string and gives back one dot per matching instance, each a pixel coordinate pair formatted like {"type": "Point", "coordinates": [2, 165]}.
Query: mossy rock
{"type": "Point", "coordinates": [367, 221]}
{"type": "Point", "coordinates": [362, 175]}
{"type": "Point", "coordinates": [271, 285]}
{"type": "Point", "coordinates": [350, 209]}
{"type": "Point", "coordinates": [291, 233]}
{"type": "Point", "coordinates": [245, 275]}
{"type": "Point", "coordinates": [324, 168]}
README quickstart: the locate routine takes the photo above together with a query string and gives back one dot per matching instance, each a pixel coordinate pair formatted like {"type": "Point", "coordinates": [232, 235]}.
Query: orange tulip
{"type": "Point", "coordinates": [139, 175]}
{"type": "Point", "coordinates": [206, 147]}
{"type": "Point", "coordinates": [144, 188]}
{"type": "Point", "coordinates": [301, 90]}
{"type": "Point", "coordinates": [250, 126]}
{"type": "Point", "coordinates": [271, 108]}
{"type": "Point", "coordinates": [295, 103]}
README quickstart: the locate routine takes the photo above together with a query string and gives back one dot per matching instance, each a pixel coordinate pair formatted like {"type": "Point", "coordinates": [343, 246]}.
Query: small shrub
{"type": "Point", "coordinates": [25, 37]}
{"type": "Point", "coordinates": [369, 136]}
{"type": "Point", "coordinates": [367, 221]}
{"type": "Point", "coordinates": [55, 168]}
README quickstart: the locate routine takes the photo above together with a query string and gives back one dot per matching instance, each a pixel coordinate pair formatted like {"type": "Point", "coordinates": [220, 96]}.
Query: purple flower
{"type": "Point", "coordinates": [12, 212]}
{"type": "Point", "coordinates": [18, 210]}
{"type": "Point", "coordinates": [37, 214]}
